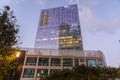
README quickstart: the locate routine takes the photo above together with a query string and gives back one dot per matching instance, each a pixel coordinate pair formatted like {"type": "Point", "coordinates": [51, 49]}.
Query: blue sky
{"type": "Point", "coordinates": [100, 23]}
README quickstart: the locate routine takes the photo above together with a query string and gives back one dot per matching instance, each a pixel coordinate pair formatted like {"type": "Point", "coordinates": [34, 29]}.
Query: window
{"type": "Point", "coordinates": [99, 63]}
{"type": "Point", "coordinates": [52, 71]}
{"type": "Point", "coordinates": [43, 62]}
{"type": "Point", "coordinates": [55, 61]}
{"type": "Point", "coordinates": [67, 62]}
{"type": "Point", "coordinates": [82, 60]}
{"type": "Point", "coordinates": [42, 73]}
{"type": "Point", "coordinates": [76, 62]}
{"type": "Point", "coordinates": [91, 62]}
{"type": "Point", "coordinates": [31, 61]}
{"type": "Point", "coordinates": [28, 73]}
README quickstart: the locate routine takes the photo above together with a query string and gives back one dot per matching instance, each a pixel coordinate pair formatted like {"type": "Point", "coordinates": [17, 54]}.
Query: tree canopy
{"type": "Point", "coordinates": [83, 72]}
{"type": "Point", "coordinates": [8, 39]}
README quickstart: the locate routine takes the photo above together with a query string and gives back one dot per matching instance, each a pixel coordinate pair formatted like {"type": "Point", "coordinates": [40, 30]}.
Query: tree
{"type": "Point", "coordinates": [8, 39]}
{"type": "Point", "coordinates": [83, 72]}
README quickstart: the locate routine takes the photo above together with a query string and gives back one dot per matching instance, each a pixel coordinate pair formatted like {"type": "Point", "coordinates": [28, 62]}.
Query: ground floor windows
{"type": "Point", "coordinates": [68, 62]}
{"type": "Point", "coordinates": [91, 62]}
{"type": "Point", "coordinates": [42, 73]}
{"type": "Point", "coordinates": [76, 62]}
{"type": "Point", "coordinates": [52, 71]}
{"type": "Point", "coordinates": [28, 73]}
{"type": "Point", "coordinates": [99, 63]}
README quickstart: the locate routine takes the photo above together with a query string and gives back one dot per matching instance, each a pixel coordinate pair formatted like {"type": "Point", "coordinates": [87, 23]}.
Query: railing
{"type": "Point", "coordinates": [54, 52]}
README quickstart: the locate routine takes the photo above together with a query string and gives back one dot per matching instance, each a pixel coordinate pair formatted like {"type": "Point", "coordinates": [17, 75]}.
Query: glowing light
{"type": "Point", "coordinates": [44, 39]}
{"type": "Point", "coordinates": [18, 54]}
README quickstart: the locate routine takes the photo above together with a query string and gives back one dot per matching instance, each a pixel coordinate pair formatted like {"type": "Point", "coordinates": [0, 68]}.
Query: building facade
{"type": "Point", "coordinates": [59, 28]}
{"type": "Point", "coordinates": [42, 62]}
{"type": "Point", "coordinates": [58, 45]}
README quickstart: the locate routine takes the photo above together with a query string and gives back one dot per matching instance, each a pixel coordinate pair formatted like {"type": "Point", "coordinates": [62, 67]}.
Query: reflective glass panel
{"type": "Point", "coordinates": [76, 62]}
{"type": "Point", "coordinates": [67, 62]}
{"type": "Point", "coordinates": [31, 61]}
{"type": "Point", "coordinates": [42, 73]}
{"type": "Point", "coordinates": [55, 61]}
{"type": "Point", "coordinates": [91, 62]}
{"type": "Point", "coordinates": [52, 71]}
{"type": "Point", "coordinates": [43, 62]}
{"type": "Point", "coordinates": [28, 73]}
{"type": "Point", "coordinates": [99, 63]}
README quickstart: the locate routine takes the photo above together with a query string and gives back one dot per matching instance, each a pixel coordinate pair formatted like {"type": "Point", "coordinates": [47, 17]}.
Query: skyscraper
{"type": "Point", "coordinates": [59, 28]}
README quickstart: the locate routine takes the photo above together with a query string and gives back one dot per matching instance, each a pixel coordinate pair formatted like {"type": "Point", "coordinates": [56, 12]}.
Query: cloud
{"type": "Point", "coordinates": [74, 1]}
{"type": "Point", "coordinates": [84, 2]}
{"type": "Point", "coordinates": [87, 15]}
{"type": "Point", "coordinates": [91, 2]}
{"type": "Point", "coordinates": [110, 25]}
{"type": "Point", "coordinates": [91, 21]}
{"type": "Point", "coordinates": [7, 2]}
{"type": "Point", "coordinates": [93, 24]}
{"type": "Point", "coordinates": [41, 2]}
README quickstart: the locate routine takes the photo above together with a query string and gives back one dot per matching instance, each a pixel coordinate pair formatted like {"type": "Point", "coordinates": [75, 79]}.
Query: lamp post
{"type": "Point", "coordinates": [18, 55]}
{"type": "Point", "coordinates": [16, 71]}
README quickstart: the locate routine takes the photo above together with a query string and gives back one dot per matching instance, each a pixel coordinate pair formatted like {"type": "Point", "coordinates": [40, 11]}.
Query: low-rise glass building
{"type": "Point", "coordinates": [42, 62]}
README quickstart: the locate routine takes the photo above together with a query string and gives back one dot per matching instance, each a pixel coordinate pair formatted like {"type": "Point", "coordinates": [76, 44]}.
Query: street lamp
{"type": "Point", "coordinates": [17, 64]}
{"type": "Point", "coordinates": [18, 55]}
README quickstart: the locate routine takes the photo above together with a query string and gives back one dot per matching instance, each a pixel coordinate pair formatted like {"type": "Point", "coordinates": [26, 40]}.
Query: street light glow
{"type": "Point", "coordinates": [18, 54]}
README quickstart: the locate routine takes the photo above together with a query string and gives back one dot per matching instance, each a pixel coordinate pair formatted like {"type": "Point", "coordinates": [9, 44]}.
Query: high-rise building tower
{"type": "Point", "coordinates": [59, 28]}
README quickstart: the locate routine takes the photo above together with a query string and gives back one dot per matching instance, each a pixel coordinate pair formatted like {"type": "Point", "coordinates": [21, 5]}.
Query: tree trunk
{"type": "Point", "coordinates": [89, 77]}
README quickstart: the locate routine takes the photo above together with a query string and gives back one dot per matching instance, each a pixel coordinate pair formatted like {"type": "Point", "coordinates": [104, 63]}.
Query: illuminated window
{"type": "Point", "coordinates": [44, 19]}
{"type": "Point", "coordinates": [42, 73]}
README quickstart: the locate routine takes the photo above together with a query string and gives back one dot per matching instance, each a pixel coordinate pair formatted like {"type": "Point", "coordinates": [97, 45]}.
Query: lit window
{"type": "Point", "coordinates": [44, 39]}
{"type": "Point", "coordinates": [42, 73]}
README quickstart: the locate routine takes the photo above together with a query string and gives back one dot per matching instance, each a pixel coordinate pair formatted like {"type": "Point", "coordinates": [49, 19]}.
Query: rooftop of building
{"type": "Point", "coordinates": [60, 7]}
{"type": "Point", "coordinates": [57, 52]}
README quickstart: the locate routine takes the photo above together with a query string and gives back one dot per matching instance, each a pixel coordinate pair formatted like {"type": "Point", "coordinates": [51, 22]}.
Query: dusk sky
{"type": "Point", "coordinates": [99, 20]}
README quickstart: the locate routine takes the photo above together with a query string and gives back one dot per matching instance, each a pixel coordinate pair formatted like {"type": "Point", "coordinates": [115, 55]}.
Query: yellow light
{"type": "Point", "coordinates": [42, 72]}
{"type": "Point", "coordinates": [18, 54]}
{"type": "Point", "coordinates": [69, 36]}
{"type": "Point", "coordinates": [62, 37]}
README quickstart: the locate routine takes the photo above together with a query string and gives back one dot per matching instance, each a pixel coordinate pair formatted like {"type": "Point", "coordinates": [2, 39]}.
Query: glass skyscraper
{"type": "Point", "coordinates": [59, 28]}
